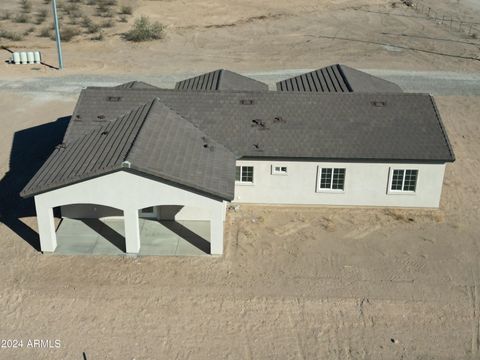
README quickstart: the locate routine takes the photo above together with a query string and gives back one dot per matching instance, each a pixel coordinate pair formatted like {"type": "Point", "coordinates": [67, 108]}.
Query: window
{"type": "Point", "coordinates": [244, 174]}
{"type": "Point", "coordinates": [331, 179]}
{"type": "Point", "coordinates": [403, 180]}
{"type": "Point", "coordinates": [279, 170]}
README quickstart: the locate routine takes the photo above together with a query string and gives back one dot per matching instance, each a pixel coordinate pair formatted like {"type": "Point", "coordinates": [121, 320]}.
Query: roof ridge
{"type": "Point", "coordinates": [141, 126]}
{"type": "Point", "coordinates": [442, 127]}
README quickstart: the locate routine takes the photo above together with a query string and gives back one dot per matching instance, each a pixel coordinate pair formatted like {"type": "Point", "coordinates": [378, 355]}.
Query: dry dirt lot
{"type": "Point", "coordinates": [295, 282]}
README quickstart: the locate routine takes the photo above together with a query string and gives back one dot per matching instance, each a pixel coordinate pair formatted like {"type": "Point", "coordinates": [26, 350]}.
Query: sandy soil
{"type": "Point", "coordinates": [267, 35]}
{"type": "Point", "coordinates": [298, 282]}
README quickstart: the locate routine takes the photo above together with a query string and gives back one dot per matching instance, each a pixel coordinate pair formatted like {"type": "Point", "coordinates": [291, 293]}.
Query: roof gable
{"type": "Point", "coordinates": [221, 80]}
{"type": "Point", "coordinates": [154, 140]}
{"type": "Point", "coordinates": [338, 79]}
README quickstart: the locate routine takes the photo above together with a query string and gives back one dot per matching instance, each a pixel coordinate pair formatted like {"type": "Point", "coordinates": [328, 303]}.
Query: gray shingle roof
{"type": "Point", "coordinates": [184, 155]}
{"type": "Point", "coordinates": [220, 80]}
{"type": "Point", "coordinates": [337, 78]}
{"type": "Point", "coordinates": [349, 126]}
{"type": "Point", "coordinates": [136, 85]}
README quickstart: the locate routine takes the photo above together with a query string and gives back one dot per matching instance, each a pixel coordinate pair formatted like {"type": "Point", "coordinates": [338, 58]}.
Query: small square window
{"type": "Point", "coordinates": [279, 170]}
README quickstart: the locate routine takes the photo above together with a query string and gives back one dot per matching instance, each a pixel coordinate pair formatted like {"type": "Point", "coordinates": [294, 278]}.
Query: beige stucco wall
{"type": "Point", "coordinates": [128, 193]}
{"type": "Point", "coordinates": [365, 185]}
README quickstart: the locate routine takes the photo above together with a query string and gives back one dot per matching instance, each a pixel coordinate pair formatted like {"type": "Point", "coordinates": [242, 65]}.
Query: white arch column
{"type": "Point", "coordinates": [216, 229]}
{"type": "Point", "coordinates": [46, 226]}
{"type": "Point", "coordinates": [132, 230]}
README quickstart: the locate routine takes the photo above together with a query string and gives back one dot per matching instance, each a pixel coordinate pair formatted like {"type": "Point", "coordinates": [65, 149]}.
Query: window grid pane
{"type": "Point", "coordinates": [247, 174]}
{"type": "Point", "coordinates": [410, 180]}
{"type": "Point", "coordinates": [338, 179]}
{"type": "Point", "coordinates": [326, 179]}
{"type": "Point", "coordinates": [397, 180]}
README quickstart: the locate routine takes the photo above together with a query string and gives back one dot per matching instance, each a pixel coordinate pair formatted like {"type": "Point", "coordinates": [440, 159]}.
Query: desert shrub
{"type": "Point", "coordinates": [5, 15]}
{"type": "Point", "coordinates": [22, 18]}
{"type": "Point", "coordinates": [26, 6]}
{"type": "Point", "coordinates": [45, 32]}
{"type": "Point", "coordinates": [474, 35]}
{"type": "Point", "coordinates": [41, 16]}
{"type": "Point", "coordinates": [71, 9]}
{"type": "Point", "coordinates": [28, 31]}
{"type": "Point", "coordinates": [109, 2]}
{"type": "Point", "coordinates": [126, 10]}
{"type": "Point", "coordinates": [91, 2]}
{"type": "Point", "coordinates": [144, 30]}
{"type": "Point", "coordinates": [10, 35]}
{"type": "Point", "coordinates": [107, 24]}
{"type": "Point", "coordinates": [46, 2]}
{"type": "Point", "coordinates": [123, 19]}
{"type": "Point", "coordinates": [104, 11]}
{"type": "Point", "coordinates": [66, 34]}
{"type": "Point", "coordinates": [98, 37]}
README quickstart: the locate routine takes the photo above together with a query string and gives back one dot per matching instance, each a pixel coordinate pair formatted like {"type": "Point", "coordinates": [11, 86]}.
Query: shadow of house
{"type": "Point", "coordinates": [30, 149]}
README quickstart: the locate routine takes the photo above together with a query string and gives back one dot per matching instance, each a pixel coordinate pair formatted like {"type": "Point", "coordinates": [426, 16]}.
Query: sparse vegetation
{"type": "Point", "coordinates": [45, 32]}
{"type": "Point", "coordinates": [41, 16]}
{"type": "Point", "coordinates": [29, 31]}
{"type": "Point", "coordinates": [126, 10]}
{"type": "Point", "coordinates": [98, 37]}
{"type": "Point", "coordinates": [123, 19]}
{"type": "Point", "coordinates": [26, 6]}
{"type": "Point", "coordinates": [107, 24]}
{"type": "Point", "coordinates": [22, 18]}
{"type": "Point", "coordinates": [145, 30]}
{"type": "Point", "coordinates": [66, 34]}
{"type": "Point", "coordinates": [6, 15]}
{"type": "Point", "coordinates": [10, 35]}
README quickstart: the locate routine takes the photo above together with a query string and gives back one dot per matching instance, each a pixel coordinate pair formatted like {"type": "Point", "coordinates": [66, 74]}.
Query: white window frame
{"type": "Point", "coordinates": [240, 182]}
{"type": "Point", "coordinates": [279, 172]}
{"type": "Point", "coordinates": [401, 192]}
{"type": "Point", "coordinates": [319, 180]}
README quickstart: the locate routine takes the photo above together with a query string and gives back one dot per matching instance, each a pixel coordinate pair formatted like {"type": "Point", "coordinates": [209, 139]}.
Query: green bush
{"type": "Point", "coordinates": [144, 30]}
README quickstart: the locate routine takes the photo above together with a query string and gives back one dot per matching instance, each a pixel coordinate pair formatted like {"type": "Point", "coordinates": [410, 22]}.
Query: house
{"type": "Point", "coordinates": [139, 151]}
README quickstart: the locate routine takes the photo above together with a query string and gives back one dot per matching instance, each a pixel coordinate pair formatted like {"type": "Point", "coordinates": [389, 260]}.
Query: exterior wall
{"type": "Point", "coordinates": [85, 211]}
{"type": "Point", "coordinates": [366, 184]}
{"type": "Point", "coordinates": [128, 193]}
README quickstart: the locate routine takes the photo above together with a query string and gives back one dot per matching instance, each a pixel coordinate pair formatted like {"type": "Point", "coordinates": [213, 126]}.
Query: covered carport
{"type": "Point", "coordinates": [129, 193]}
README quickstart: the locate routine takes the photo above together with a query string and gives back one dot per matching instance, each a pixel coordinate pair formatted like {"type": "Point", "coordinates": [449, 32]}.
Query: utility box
{"type": "Point", "coordinates": [26, 57]}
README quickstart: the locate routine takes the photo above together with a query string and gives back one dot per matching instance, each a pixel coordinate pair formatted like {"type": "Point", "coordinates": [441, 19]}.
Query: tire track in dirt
{"type": "Point", "coordinates": [474, 297]}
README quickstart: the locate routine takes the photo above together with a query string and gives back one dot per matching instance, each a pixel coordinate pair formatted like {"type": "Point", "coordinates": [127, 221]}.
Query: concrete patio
{"type": "Point", "coordinates": [106, 237]}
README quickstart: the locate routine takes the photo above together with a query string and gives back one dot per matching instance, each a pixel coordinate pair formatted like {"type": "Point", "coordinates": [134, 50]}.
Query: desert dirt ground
{"type": "Point", "coordinates": [295, 282]}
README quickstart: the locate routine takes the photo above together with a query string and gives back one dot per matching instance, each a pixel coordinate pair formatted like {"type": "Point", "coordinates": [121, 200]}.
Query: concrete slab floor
{"type": "Point", "coordinates": [106, 237]}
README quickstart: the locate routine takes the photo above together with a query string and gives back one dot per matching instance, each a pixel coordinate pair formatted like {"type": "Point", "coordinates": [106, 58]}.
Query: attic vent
{"type": "Point", "coordinates": [77, 118]}
{"type": "Point", "coordinates": [257, 147]}
{"type": "Point", "coordinates": [114, 98]}
{"type": "Point", "coordinates": [126, 164]}
{"type": "Point", "coordinates": [101, 117]}
{"type": "Point", "coordinates": [378, 103]}
{"type": "Point", "coordinates": [259, 123]}
{"type": "Point", "coordinates": [61, 146]}
{"type": "Point", "coordinates": [247, 102]}
{"type": "Point", "coordinates": [104, 133]}
{"type": "Point", "coordinates": [279, 119]}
